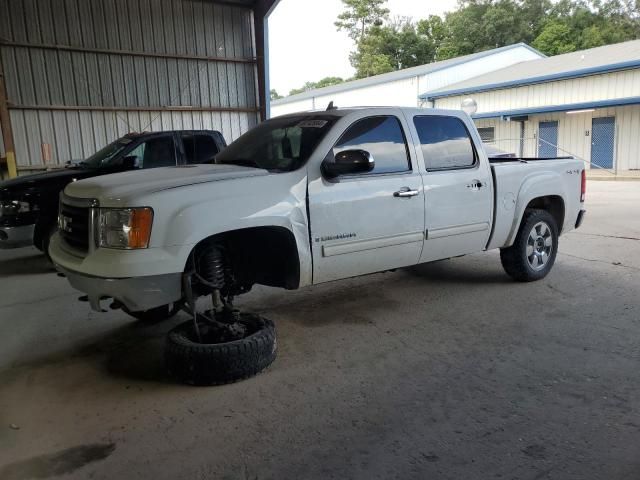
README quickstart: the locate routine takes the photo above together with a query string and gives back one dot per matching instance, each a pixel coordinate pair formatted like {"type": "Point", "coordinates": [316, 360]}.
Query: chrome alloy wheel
{"type": "Point", "coordinates": [539, 246]}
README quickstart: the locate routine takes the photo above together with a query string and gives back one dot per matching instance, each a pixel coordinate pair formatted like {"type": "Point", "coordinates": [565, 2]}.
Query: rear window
{"type": "Point", "coordinates": [445, 142]}
{"type": "Point", "coordinates": [199, 148]}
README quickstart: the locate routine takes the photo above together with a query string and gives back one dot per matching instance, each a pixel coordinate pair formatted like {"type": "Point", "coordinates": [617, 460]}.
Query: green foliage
{"type": "Point", "coordinates": [555, 38]}
{"type": "Point", "coordinates": [359, 15]}
{"type": "Point", "coordinates": [274, 94]}
{"type": "Point", "coordinates": [478, 25]}
{"type": "Point", "coordinates": [391, 47]}
{"type": "Point", "coordinates": [324, 82]}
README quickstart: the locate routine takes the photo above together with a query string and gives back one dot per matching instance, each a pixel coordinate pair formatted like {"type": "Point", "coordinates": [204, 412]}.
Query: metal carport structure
{"type": "Point", "coordinates": [76, 74]}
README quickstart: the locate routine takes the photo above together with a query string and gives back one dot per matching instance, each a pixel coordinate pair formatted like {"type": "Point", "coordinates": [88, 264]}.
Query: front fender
{"type": "Point", "coordinates": [186, 216]}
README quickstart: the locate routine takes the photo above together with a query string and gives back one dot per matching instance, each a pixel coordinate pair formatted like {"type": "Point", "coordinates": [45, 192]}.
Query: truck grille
{"type": "Point", "coordinates": [74, 226]}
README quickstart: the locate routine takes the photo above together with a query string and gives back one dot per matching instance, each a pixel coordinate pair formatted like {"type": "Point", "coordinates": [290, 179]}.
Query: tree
{"type": "Point", "coordinates": [553, 27]}
{"type": "Point", "coordinates": [556, 38]}
{"type": "Point", "coordinates": [391, 47]}
{"type": "Point", "coordinates": [359, 15]}
{"type": "Point", "coordinates": [324, 82]}
{"type": "Point", "coordinates": [274, 94]}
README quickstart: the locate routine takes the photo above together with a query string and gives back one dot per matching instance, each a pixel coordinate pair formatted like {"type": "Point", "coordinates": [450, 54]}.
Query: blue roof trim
{"type": "Point", "coordinates": [400, 74]}
{"type": "Point", "coordinates": [584, 72]}
{"type": "Point", "coordinates": [616, 102]}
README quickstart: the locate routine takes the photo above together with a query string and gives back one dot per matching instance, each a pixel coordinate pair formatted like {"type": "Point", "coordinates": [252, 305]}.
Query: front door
{"type": "Point", "coordinates": [369, 222]}
{"type": "Point", "coordinates": [458, 188]}
{"type": "Point", "coordinates": [548, 139]}
{"type": "Point", "coordinates": [603, 132]}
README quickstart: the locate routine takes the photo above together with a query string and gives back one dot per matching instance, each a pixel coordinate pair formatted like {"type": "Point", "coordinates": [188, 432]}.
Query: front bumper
{"type": "Point", "coordinates": [15, 237]}
{"type": "Point", "coordinates": [135, 293]}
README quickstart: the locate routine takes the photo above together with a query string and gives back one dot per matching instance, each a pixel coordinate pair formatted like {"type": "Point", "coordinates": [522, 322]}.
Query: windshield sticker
{"type": "Point", "coordinates": [312, 123]}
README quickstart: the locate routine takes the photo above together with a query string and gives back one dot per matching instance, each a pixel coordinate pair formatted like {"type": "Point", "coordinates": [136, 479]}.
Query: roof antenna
{"type": "Point", "coordinates": [331, 106]}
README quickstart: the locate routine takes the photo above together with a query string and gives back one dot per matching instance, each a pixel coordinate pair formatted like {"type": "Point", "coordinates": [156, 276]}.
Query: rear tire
{"type": "Point", "coordinates": [196, 363]}
{"type": "Point", "coordinates": [533, 253]}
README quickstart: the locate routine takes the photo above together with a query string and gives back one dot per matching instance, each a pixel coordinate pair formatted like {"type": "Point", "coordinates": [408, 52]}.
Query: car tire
{"type": "Point", "coordinates": [534, 251]}
{"type": "Point", "coordinates": [206, 364]}
{"type": "Point", "coordinates": [156, 315]}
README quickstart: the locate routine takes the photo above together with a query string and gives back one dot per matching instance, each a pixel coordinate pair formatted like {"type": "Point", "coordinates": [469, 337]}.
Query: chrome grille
{"type": "Point", "coordinates": [74, 225]}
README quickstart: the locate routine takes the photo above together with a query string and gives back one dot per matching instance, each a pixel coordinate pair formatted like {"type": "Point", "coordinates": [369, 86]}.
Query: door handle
{"type": "Point", "coordinates": [475, 185]}
{"type": "Point", "coordinates": [405, 192]}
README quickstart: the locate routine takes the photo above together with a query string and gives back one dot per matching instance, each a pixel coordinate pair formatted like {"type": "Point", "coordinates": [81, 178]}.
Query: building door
{"type": "Point", "coordinates": [548, 139]}
{"type": "Point", "coordinates": [603, 132]}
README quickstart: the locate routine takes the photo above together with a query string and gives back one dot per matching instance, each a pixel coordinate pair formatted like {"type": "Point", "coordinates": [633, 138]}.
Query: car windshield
{"type": "Point", "coordinates": [109, 155]}
{"type": "Point", "coordinates": [280, 144]}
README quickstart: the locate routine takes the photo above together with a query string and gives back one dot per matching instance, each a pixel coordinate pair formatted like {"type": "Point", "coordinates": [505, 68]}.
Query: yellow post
{"type": "Point", "coordinates": [11, 165]}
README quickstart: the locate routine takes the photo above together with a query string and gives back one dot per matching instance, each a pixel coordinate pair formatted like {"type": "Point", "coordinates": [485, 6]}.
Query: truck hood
{"type": "Point", "coordinates": [122, 186]}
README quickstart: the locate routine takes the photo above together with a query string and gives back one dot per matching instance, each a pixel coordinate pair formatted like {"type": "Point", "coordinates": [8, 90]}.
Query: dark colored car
{"type": "Point", "coordinates": [29, 204]}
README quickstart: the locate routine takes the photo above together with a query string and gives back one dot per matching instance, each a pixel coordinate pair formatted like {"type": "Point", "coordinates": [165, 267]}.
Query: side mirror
{"type": "Point", "coordinates": [129, 163]}
{"type": "Point", "coordinates": [348, 162]}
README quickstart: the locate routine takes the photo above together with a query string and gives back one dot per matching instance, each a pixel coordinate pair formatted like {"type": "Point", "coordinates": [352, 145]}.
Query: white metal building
{"type": "Point", "coordinates": [585, 104]}
{"type": "Point", "coordinates": [403, 88]}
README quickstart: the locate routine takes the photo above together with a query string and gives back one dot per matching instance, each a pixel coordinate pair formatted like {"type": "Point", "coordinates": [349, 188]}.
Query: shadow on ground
{"type": "Point", "coordinates": [34, 264]}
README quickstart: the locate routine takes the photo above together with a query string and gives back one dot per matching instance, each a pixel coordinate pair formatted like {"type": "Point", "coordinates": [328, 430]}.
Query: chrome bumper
{"type": "Point", "coordinates": [14, 237]}
{"type": "Point", "coordinates": [135, 293]}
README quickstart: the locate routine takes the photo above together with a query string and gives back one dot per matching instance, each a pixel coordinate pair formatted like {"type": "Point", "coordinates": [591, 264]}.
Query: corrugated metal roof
{"type": "Point", "coordinates": [400, 74]}
{"type": "Point", "coordinates": [569, 65]}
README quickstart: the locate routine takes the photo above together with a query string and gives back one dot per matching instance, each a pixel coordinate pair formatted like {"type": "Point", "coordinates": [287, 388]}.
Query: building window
{"type": "Point", "coordinates": [487, 134]}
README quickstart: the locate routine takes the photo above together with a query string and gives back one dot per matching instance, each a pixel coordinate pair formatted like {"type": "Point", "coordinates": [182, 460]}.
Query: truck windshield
{"type": "Point", "coordinates": [281, 144]}
{"type": "Point", "coordinates": [108, 156]}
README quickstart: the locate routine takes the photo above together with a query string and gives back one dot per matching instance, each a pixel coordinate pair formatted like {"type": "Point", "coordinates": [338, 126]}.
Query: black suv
{"type": "Point", "coordinates": [29, 204]}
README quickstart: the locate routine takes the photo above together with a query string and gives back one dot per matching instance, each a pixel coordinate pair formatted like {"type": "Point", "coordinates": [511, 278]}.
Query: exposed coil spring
{"type": "Point", "coordinates": [210, 266]}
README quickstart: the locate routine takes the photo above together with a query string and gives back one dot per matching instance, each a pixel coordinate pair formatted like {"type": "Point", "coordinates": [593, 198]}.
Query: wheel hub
{"type": "Point", "coordinates": [539, 246]}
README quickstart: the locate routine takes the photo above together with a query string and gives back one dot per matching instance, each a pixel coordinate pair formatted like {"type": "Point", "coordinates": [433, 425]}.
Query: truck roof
{"type": "Point", "coordinates": [341, 112]}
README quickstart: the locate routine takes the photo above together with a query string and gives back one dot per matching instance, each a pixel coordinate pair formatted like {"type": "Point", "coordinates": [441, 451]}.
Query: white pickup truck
{"type": "Point", "coordinates": [309, 198]}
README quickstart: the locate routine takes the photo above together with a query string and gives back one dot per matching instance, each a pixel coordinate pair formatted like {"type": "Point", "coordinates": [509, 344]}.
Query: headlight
{"type": "Point", "coordinates": [126, 228]}
{"type": "Point", "coordinates": [13, 207]}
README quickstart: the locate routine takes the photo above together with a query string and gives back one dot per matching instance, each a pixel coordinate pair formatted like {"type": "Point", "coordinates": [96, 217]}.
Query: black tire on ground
{"type": "Point", "coordinates": [156, 315]}
{"type": "Point", "coordinates": [533, 253]}
{"type": "Point", "coordinates": [218, 363]}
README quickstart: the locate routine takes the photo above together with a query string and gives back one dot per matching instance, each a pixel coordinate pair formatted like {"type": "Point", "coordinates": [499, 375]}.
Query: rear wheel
{"type": "Point", "coordinates": [533, 253]}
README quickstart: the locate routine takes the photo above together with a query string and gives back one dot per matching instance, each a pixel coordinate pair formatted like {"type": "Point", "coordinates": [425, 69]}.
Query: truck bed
{"type": "Point", "coordinates": [515, 178]}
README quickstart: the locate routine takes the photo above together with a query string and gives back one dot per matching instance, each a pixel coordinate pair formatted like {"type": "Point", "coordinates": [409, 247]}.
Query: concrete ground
{"type": "Point", "coordinates": [446, 371]}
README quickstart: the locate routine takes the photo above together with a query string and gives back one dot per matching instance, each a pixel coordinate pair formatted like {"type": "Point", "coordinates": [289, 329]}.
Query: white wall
{"type": "Point", "coordinates": [572, 139]}
{"type": "Point", "coordinates": [596, 87]}
{"type": "Point", "coordinates": [403, 92]}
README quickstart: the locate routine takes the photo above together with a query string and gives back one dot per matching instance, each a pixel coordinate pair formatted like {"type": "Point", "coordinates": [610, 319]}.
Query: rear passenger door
{"type": "Point", "coordinates": [199, 147]}
{"type": "Point", "coordinates": [458, 187]}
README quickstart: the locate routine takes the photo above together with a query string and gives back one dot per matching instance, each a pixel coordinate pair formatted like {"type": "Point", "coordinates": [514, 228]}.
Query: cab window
{"type": "Point", "coordinates": [381, 136]}
{"type": "Point", "coordinates": [445, 142]}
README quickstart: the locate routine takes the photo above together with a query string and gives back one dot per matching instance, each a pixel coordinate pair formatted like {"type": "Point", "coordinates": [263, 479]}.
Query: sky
{"type": "Point", "coordinates": [305, 46]}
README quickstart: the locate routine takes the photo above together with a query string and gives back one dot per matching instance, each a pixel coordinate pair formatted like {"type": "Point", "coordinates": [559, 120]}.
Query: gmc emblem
{"type": "Point", "coordinates": [65, 224]}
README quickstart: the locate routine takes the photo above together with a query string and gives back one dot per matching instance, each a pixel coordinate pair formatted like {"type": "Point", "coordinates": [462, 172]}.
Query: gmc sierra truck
{"type": "Point", "coordinates": [309, 198]}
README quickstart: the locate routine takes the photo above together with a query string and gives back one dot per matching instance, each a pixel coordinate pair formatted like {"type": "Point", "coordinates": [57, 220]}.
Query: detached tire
{"type": "Point", "coordinates": [533, 253]}
{"type": "Point", "coordinates": [218, 363]}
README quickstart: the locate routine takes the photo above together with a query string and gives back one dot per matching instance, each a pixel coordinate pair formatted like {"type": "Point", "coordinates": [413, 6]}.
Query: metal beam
{"type": "Point", "coordinates": [105, 51]}
{"type": "Point", "coordinates": [122, 108]}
